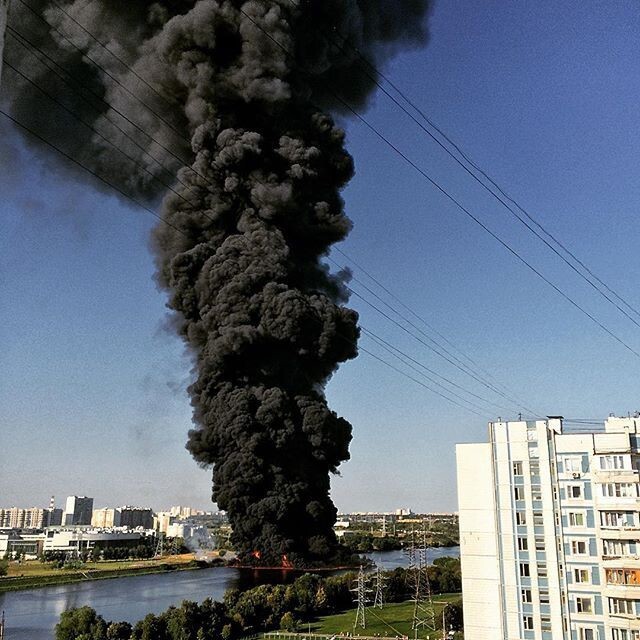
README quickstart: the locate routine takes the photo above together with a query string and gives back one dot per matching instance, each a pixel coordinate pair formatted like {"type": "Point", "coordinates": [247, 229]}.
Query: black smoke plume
{"type": "Point", "coordinates": [235, 94]}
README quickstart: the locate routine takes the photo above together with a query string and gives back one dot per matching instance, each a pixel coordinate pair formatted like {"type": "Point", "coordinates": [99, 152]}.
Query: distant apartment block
{"type": "Point", "coordinates": [550, 532]}
{"type": "Point", "coordinates": [134, 517]}
{"type": "Point", "coordinates": [105, 518]}
{"type": "Point", "coordinates": [78, 511]}
{"type": "Point", "coordinates": [17, 518]}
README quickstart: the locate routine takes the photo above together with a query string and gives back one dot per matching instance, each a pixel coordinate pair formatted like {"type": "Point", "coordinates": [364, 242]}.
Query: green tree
{"type": "Point", "coordinates": [288, 622]}
{"type": "Point", "coordinates": [453, 615]}
{"type": "Point", "coordinates": [119, 631]}
{"type": "Point", "coordinates": [81, 624]}
{"type": "Point", "coordinates": [4, 567]}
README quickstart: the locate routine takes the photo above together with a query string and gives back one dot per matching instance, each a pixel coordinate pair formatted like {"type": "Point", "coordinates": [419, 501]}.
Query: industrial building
{"type": "Point", "coordinates": [69, 541]}
{"type": "Point", "coordinates": [550, 531]}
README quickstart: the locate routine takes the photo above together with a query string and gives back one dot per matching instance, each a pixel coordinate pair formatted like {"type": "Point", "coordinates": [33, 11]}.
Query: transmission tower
{"type": "Point", "coordinates": [159, 546]}
{"type": "Point", "coordinates": [378, 599]}
{"type": "Point", "coordinates": [361, 598]}
{"type": "Point", "coordinates": [423, 612]}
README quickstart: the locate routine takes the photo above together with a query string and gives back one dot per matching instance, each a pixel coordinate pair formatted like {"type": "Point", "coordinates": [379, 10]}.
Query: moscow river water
{"type": "Point", "coordinates": [33, 614]}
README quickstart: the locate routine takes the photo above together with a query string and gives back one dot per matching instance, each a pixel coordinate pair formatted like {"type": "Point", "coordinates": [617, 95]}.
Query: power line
{"type": "Point", "coordinates": [374, 79]}
{"type": "Point", "coordinates": [107, 73]}
{"type": "Point", "coordinates": [458, 204]}
{"type": "Point", "coordinates": [403, 357]}
{"type": "Point", "coordinates": [410, 377]}
{"type": "Point", "coordinates": [115, 55]}
{"type": "Point", "coordinates": [446, 356]}
{"type": "Point", "coordinates": [85, 168]}
{"type": "Point", "coordinates": [159, 217]}
{"type": "Point", "coordinates": [91, 128]}
{"type": "Point", "coordinates": [37, 52]}
{"type": "Point", "coordinates": [429, 338]}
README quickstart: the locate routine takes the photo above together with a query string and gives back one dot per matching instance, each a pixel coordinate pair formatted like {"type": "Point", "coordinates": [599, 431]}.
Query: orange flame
{"type": "Point", "coordinates": [286, 563]}
{"type": "Point", "coordinates": [256, 554]}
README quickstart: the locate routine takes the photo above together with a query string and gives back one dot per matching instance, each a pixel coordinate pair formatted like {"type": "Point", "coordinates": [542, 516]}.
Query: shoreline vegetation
{"type": "Point", "coordinates": [34, 574]}
{"type": "Point", "coordinates": [325, 602]}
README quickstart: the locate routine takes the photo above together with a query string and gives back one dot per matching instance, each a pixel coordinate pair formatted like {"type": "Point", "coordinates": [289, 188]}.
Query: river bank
{"type": "Point", "coordinates": [34, 574]}
{"type": "Point", "coordinates": [33, 613]}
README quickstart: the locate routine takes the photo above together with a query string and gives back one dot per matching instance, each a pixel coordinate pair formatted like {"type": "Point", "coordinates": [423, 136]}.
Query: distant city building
{"type": "Point", "coordinates": [17, 518]}
{"type": "Point", "coordinates": [78, 511]}
{"type": "Point", "coordinates": [70, 541]}
{"type": "Point", "coordinates": [181, 512]}
{"type": "Point", "coordinates": [134, 517]}
{"type": "Point", "coordinates": [53, 517]}
{"type": "Point", "coordinates": [162, 521]}
{"type": "Point", "coordinates": [105, 518]}
{"type": "Point", "coordinates": [550, 532]}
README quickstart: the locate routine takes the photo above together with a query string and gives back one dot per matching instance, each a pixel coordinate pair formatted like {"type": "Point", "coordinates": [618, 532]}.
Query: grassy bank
{"type": "Point", "coordinates": [34, 574]}
{"type": "Point", "coordinates": [392, 620]}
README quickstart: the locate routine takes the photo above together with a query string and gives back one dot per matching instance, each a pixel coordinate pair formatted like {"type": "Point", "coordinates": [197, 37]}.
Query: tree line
{"type": "Point", "coordinates": [262, 608]}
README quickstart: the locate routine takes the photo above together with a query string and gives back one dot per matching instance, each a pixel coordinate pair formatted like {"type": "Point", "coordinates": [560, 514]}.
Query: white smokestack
{"type": "Point", "coordinates": [4, 10]}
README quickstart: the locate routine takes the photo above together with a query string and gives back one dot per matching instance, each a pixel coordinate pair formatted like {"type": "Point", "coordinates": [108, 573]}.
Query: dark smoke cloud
{"type": "Point", "coordinates": [257, 206]}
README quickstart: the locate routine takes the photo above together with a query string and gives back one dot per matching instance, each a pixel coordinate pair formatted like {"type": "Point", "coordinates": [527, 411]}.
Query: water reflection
{"type": "Point", "coordinates": [32, 615]}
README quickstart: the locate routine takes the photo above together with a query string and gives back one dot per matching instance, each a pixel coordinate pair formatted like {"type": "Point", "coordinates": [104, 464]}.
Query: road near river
{"type": "Point", "coordinates": [32, 615]}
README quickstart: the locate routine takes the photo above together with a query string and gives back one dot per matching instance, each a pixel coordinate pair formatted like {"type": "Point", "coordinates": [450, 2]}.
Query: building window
{"type": "Point", "coordinates": [573, 464]}
{"type": "Point", "coordinates": [523, 544]}
{"type": "Point", "coordinates": [537, 518]}
{"type": "Point", "coordinates": [517, 468]}
{"type": "Point", "coordinates": [542, 569]}
{"type": "Point", "coordinates": [608, 463]}
{"type": "Point", "coordinates": [623, 576]}
{"type": "Point", "coordinates": [518, 493]}
{"type": "Point", "coordinates": [574, 491]}
{"type": "Point", "coordinates": [526, 596]}
{"type": "Point", "coordinates": [581, 576]}
{"type": "Point", "coordinates": [544, 596]}
{"type": "Point", "coordinates": [524, 570]}
{"type": "Point", "coordinates": [586, 633]}
{"type": "Point", "coordinates": [625, 634]}
{"type": "Point", "coordinates": [584, 605]}
{"type": "Point", "coordinates": [619, 490]}
{"type": "Point", "coordinates": [614, 518]}
{"type": "Point", "coordinates": [579, 547]}
{"type": "Point", "coordinates": [527, 622]}
{"type": "Point", "coordinates": [539, 540]}
{"type": "Point", "coordinates": [576, 519]}
{"type": "Point", "coordinates": [545, 623]}
{"type": "Point", "coordinates": [615, 548]}
{"type": "Point", "coordinates": [521, 518]}
{"type": "Point", "coordinates": [621, 606]}
{"type": "Point", "coordinates": [534, 467]}
{"type": "Point", "coordinates": [536, 492]}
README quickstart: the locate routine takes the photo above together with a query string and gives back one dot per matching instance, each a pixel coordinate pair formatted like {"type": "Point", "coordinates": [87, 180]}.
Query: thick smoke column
{"type": "Point", "coordinates": [258, 207]}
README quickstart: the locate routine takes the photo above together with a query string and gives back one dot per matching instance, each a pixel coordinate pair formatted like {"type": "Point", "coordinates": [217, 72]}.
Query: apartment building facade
{"type": "Point", "coordinates": [550, 532]}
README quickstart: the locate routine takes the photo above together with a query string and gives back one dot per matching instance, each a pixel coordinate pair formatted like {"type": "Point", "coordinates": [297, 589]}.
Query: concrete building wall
{"type": "Point", "coordinates": [478, 542]}
{"type": "Point", "coordinates": [567, 530]}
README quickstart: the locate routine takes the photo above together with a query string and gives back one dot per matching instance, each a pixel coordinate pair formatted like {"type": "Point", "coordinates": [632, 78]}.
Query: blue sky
{"type": "Point", "coordinates": [544, 96]}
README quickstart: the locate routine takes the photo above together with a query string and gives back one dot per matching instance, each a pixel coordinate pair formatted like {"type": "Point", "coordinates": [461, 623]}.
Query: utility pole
{"type": "Point", "coordinates": [2, 627]}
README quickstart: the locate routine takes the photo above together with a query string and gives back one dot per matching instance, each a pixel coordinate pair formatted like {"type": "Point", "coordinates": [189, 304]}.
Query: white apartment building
{"type": "Point", "coordinates": [550, 532]}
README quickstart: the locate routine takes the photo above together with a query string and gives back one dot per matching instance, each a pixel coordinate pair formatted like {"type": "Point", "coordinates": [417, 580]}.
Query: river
{"type": "Point", "coordinates": [32, 615]}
